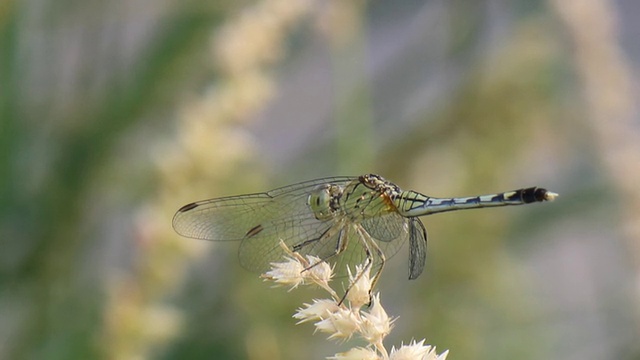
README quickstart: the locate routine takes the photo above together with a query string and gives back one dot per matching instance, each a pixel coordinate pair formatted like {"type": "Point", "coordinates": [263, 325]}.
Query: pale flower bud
{"type": "Point", "coordinates": [357, 353]}
{"type": "Point", "coordinates": [320, 309]}
{"type": "Point", "coordinates": [360, 286]}
{"type": "Point", "coordinates": [286, 273]}
{"type": "Point", "coordinates": [376, 324]}
{"type": "Point", "coordinates": [340, 324]}
{"type": "Point", "coordinates": [416, 350]}
{"type": "Point", "coordinates": [320, 271]}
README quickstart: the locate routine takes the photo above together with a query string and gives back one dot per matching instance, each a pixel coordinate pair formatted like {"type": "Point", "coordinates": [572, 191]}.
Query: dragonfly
{"type": "Point", "coordinates": [344, 221]}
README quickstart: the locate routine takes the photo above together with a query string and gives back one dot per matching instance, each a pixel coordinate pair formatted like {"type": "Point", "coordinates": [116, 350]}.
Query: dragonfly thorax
{"type": "Point", "coordinates": [323, 201]}
{"type": "Point", "coordinates": [380, 185]}
{"type": "Point", "coordinates": [369, 196]}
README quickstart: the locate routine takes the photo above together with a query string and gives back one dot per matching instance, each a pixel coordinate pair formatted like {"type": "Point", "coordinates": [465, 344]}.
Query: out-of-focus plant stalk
{"type": "Point", "coordinates": [210, 147]}
{"type": "Point", "coordinates": [343, 24]}
{"type": "Point", "coordinates": [606, 77]}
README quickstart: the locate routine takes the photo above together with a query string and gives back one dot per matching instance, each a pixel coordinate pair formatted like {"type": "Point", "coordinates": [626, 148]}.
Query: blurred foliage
{"type": "Point", "coordinates": [56, 136]}
{"type": "Point", "coordinates": [114, 114]}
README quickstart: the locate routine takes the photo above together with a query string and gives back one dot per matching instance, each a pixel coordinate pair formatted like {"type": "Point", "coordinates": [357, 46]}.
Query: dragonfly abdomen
{"type": "Point", "coordinates": [411, 203]}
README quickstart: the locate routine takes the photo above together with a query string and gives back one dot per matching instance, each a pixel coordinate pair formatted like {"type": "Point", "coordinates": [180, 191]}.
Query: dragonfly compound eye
{"type": "Point", "coordinates": [319, 201]}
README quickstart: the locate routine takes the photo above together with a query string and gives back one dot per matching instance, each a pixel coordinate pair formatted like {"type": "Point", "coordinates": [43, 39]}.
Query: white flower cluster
{"type": "Point", "coordinates": [358, 312]}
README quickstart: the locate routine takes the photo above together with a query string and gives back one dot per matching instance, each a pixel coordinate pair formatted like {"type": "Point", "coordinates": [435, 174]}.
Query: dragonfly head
{"type": "Point", "coordinates": [323, 201]}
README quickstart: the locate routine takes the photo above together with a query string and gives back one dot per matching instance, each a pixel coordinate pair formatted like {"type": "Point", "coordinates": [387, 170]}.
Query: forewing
{"type": "Point", "coordinates": [261, 246]}
{"type": "Point", "coordinates": [223, 219]}
{"type": "Point", "coordinates": [259, 220]}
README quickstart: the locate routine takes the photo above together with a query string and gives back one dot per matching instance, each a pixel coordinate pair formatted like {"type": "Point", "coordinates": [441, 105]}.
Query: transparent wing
{"type": "Point", "coordinates": [340, 246]}
{"type": "Point", "coordinates": [260, 221]}
{"type": "Point", "coordinates": [417, 247]}
{"type": "Point", "coordinates": [386, 227]}
{"type": "Point", "coordinates": [390, 231]}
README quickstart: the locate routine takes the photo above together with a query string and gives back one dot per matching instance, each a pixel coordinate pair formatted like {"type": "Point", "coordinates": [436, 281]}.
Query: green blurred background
{"type": "Point", "coordinates": [115, 113]}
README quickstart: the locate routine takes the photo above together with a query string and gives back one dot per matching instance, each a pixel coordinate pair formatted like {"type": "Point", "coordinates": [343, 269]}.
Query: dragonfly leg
{"type": "Point", "coordinates": [299, 246]}
{"type": "Point", "coordinates": [370, 247]}
{"type": "Point", "coordinates": [341, 244]}
{"type": "Point", "coordinates": [383, 260]}
{"type": "Point", "coordinates": [370, 244]}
